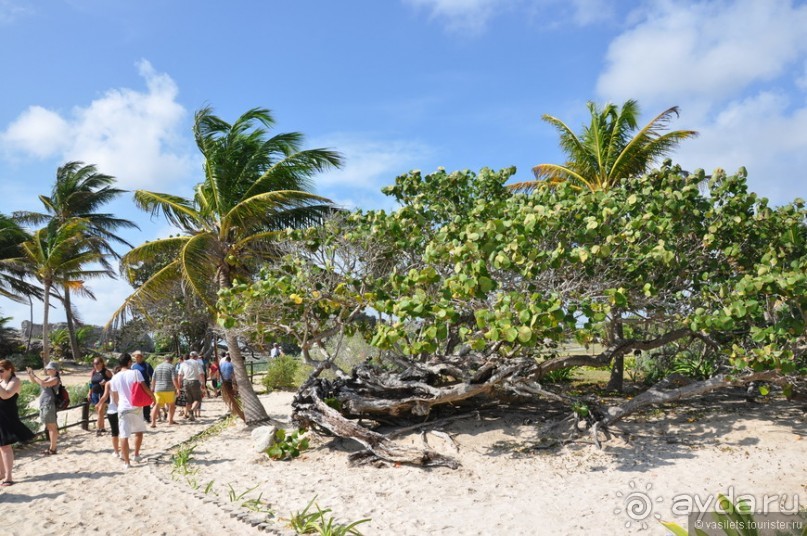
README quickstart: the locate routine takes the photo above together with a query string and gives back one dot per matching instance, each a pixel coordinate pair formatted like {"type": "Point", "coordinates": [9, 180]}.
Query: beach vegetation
{"type": "Point", "coordinates": [470, 290]}
{"type": "Point", "coordinates": [610, 149]}
{"type": "Point", "coordinates": [79, 192]}
{"type": "Point", "coordinates": [181, 460]}
{"type": "Point", "coordinates": [254, 186]}
{"type": "Point", "coordinates": [288, 445]}
{"type": "Point", "coordinates": [321, 521]}
{"type": "Point", "coordinates": [282, 372]}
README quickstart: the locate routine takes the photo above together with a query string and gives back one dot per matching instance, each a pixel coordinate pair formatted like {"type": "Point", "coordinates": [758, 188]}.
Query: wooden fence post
{"type": "Point", "coordinates": [85, 415]}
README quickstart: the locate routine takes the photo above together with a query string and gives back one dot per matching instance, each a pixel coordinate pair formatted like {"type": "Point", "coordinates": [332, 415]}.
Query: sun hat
{"type": "Point", "coordinates": [52, 366]}
{"type": "Point", "coordinates": [137, 352]}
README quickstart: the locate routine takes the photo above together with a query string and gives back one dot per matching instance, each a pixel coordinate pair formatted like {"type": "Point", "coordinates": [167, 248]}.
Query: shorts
{"type": "Point", "coordinates": [113, 424]}
{"type": "Point", "coordinates": [94, 398]}
{"type": "Point", "coordinates": [131, 422]}
{"type": "Point", "coordinates": [193, 391]}
{"type": "Point", "coordinates": [48, 414]}
{"type": "Point", "coordinates": [165, 397]}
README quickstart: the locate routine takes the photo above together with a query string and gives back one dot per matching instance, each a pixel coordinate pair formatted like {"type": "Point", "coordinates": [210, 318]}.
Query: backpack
{"type": "Point", "coordinates": [62, 397]}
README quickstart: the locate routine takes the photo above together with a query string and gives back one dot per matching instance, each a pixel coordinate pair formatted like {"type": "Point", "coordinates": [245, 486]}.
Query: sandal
{"type": "Point", "coordinates": [6, 483]}
{"type": "Point", "coordinates": [50, 452]}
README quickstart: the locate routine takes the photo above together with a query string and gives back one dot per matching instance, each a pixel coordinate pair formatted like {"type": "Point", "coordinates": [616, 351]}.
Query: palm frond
{"type": "Point", "coordinates": [151, 291]}
{"type": "Point", "coordinates": [200, 258]}
{"type": "Point", "coordinates": [262, 209]}
{"type": "Point", "coordinates": [177, 210]}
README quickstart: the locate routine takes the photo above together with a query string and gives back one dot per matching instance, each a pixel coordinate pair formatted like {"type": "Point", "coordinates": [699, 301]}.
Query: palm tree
{"type": "Point", "coordinates": [254, 186]}
{"type": "Point", "coordinates": [58, 255]}
{"type": "Point", "coordinates": [79, 192]}
{"type": "Point", "coordinates": [607, 150]}
{"type": "Point", "coordinates": [13, 270]}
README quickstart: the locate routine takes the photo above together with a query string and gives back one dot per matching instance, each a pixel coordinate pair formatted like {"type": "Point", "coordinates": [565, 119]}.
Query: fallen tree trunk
{"type": "Point", "coordinates": [378, 447]}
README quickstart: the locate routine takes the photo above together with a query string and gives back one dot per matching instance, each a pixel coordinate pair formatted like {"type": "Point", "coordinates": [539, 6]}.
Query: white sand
{"type": "Point", "coordinates": [498, 490]}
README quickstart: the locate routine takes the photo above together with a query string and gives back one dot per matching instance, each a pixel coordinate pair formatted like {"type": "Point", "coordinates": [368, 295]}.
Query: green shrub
{"type": "Point", "coordinates": [559, 376]}
{"type": "Point", "coordinates": [287, 446]}
{"type": "Point", "coordinates": [694, 366]}
{"type": "Point", "coordinates": [29, 392]}
{"type": "Point", "coordinates": [78, 393]}
{"type": "Point", "coordinates": [281, 373]}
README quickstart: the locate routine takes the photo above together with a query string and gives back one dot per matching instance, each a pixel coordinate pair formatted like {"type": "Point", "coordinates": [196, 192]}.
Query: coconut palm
{"type": "Point", "coordinates": [254, 186]}
{"type": "Point", "coordinates": [609, 149]}
{"type": "Point", "coordinates": [58, 256]}
{"type": "Point", "coordinates": [12, 268]}
{"type": "Point", "coordinates": [79, 192]}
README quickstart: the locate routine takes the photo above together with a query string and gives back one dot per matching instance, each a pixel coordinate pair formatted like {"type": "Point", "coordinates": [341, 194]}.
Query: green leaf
{"type": "Point", "coordinates": [524, 334]}
{"type": "Point", "coordinates": [675, 528]}
{"type": "Point", "coordinates": [764, 390]}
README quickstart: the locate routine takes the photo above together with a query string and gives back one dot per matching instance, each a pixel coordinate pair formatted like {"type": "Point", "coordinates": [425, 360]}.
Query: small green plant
{"type": "Point", "coordinates": [258, 505]}
{"type": "Point", "coordinates": [696, 367]}
{"type": "Point", "coordinates": [581, 409]}
{"type": "Point", "coordinates": [235, 497]}
{"type": "Point", "coordinates": [181, 460]}
{"type": "Point", "coordinates": [209, 488]}
{"type": "Point", "coordinates": [78, 393]}
{"type": "Point", "coordinates": [559, 376]}
{"type": "Point", "coordinates": [320, 522]}
{"type": "Point", "coordinates": [281, 373]}
{"type": "Point", "coordinates": [288, 446]}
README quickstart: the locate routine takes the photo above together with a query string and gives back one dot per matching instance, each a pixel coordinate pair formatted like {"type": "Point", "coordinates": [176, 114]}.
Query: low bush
{"type": "Point", "coordinates": [282, 373]}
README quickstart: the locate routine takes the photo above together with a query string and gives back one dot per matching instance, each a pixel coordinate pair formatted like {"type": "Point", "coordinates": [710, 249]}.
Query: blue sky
{"type": "Point", "coordinates": [394, 85]}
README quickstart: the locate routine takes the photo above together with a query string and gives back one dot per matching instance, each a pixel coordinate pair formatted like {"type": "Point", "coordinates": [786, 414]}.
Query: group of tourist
{"type": "Point", "coordinates": [112, 394]}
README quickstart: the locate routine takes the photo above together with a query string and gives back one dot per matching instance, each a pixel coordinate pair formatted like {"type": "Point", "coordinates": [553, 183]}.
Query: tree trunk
{"type": "Point", "coordinates": [253, 409]}
{"type": "Point", "coordinates": [616, 382]}
{"type": "Point", "coordinates": [31, 329]}
{"type": "Point", "coordinates": [71, 325]}
{"type": "Point", "coordinates": [45, 334]}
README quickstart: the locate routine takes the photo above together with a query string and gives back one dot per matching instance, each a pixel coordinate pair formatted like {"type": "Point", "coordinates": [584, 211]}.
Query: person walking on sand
{"type": "Point", "coordinates": [190, 377]}
{"type": "Point", "coordinates": [165, 384]}
{"type": "Point", "coordinates": [112, 415]}
{"type": "Point", "coordinates": [147, 371]}
{"type": "Point", "coordinates": [130, 417]}
{"type": "Point", "coordinates": [227, 373]}
{"type": "Point", "coordinates": [12, 429]}
{"type": "Point", "coordinates": [98, 379]}
{"type": "Point", "coordinates": [47, 401]}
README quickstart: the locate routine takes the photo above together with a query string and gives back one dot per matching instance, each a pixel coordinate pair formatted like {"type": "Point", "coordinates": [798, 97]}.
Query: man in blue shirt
{"type": "Point", "coordinates": [147, 371]}
{"type": "Point", "coordinates": [227, 372]}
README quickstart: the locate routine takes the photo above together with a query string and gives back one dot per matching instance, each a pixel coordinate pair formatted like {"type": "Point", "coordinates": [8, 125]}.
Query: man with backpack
{"type": "Point", "coordinates": [49, 386]}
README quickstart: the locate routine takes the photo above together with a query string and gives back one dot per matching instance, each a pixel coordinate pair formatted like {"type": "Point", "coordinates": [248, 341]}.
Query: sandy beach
{"type": "Point", "coordinates": [504, 485]}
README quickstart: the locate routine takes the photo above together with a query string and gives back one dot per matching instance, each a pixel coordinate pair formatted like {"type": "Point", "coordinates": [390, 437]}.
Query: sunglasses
{"type": "Point", "coordinates": [2, 370]}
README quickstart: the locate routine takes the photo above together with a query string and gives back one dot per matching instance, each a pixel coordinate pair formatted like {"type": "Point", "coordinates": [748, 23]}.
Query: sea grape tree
{"type": "Point", "coordinates": [476, 290]}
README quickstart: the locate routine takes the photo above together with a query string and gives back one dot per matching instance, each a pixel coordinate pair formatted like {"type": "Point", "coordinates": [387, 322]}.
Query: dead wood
{"type": "Point", "coordinates": [378, 447]}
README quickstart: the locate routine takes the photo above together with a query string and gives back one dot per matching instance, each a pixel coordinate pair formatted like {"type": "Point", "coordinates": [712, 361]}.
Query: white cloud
{"type": "Point", "coordinates": [370, 164]}
{"type": "Point", "coordinates": [762, 133]}
{"type": "Point", "coordinates": [587, 12]}
{"type": "Point", "coordinates": [461, 15]}
{"type": "Point", "coordinates": [130, 134]}
{"type": "Point", "coordinates": [473, 16]}
{"type": "Point", "coordinates": [39, 132]}
{"type": "Point", "coordinates": [10, 11]}
{"type": "Point", "coordinates": [732, 67]}
{"type": "Point", "coordinates": [706, 50]}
